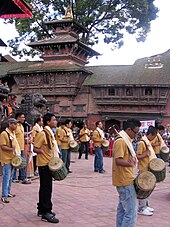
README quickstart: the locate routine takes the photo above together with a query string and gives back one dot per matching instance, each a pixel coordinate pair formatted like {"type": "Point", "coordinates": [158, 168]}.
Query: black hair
{"type": "Point", "coordinates": [38, 119]}
{"type": "Point", "coordinates": [131, 123]}
{"type": "Point", "coordinates": [151, 130]}
{"type": "Point", "coordinates": [97, 123]}
{"type": "Point", "coordinates": [67, 121]}
{"type": "Point", "coordinates": [161, 127]}
{"type": "Point", "coordinates": [47, 117]}
{"type": "Point", "coordinates": [18, 114]}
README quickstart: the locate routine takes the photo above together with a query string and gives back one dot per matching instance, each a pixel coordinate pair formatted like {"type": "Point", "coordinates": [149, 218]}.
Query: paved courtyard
{"type": "Point", "coordinates": [83, 199]}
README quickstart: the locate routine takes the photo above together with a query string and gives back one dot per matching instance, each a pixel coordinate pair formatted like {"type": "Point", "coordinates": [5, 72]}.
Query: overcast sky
{"type": "Point", "coordinates": [158, 41]}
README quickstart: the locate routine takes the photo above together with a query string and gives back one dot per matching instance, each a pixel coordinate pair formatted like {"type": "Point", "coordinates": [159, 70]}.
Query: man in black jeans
{"type": "Point", "coordinates": [44, 146]}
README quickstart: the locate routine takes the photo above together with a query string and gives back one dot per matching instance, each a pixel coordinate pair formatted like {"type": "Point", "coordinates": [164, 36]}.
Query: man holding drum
{"type": "Point", "coordinates": [84, 141]}
{"type": "Point", "coordinates": [144, 154]}
{"type": "Point", "coordinates": [46, 147]}
{"type": "Point", "coordinates": [124, 162]}
{"type": "Point", "coordinates": [9, 147]}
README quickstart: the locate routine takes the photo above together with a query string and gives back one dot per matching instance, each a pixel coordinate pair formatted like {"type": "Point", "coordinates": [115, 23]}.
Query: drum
{"type": "Point", "coordinates": [158, 168]}
{"type": "Point", "coordinates": [144, 184]}
{"type": "Point", "coordinates": [105, 145]}
{"type": "Point", "coordinates": [57, 168]}
{"type": "Point", "coordinates": [19, 162]}
{"type": "Point", "coordinates": [74, 146]}
{"type": "Point", "coordinates": [164, 153]}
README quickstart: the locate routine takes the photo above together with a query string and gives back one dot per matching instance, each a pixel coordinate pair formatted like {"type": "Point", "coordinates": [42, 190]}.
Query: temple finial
{"type": "Point", "coordinates": [68, 12]}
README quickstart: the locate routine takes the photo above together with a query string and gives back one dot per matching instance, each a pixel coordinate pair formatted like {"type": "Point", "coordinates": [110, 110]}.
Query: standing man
{"type": "Point", "coordinates": [124, 162]}
{"type": "Point", "coordinates": [9, 148]}
{"type": "Point", "coordinates": [65, 139]}
{"type": "Point", "coordinates": [145, 154]}
{"type": "Point", "coordinates": [38, 127]}
{"type": "Point", "coordinates": [46, 147]}
{"type": "Point", "coordinates": [20, 135]}
{"type": "Point", "coordinates": [98, 138]}
{"type": "Point", "coordinates": [84, 141]}
{"type": "Point", "coordinates": [59, 135]}
{"type": "Point", "coordinates": [157, 142]}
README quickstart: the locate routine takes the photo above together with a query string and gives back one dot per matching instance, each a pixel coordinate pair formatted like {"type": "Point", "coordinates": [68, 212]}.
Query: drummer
{"type": "Point", "coordinates": [156, 142]}
{"type": "Point", "coordinates": [46, 146]}
{"type": "Point", "coordinates": [84, 141]}
{"type": "Point", "coordinates": [98, 138]}
{"type": "Point", "coordinates": [145, 154]}
{"type": "Point", "coordinates": [65, 137]}
{"type": "Point", "coordinates": [124, 162]}
{"type": "Point", "coordinates": [8, 148]}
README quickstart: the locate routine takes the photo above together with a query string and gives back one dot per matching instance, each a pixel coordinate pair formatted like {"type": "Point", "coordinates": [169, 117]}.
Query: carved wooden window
{"type": "Point", "coordinates": [163, 93]}
{"type": "Point", "coordinates": [64, 109]}
{"type": "Point", "coordinates": [111, 91]}
{"type": "Point", "coordinates": [79, 108]}
{"type": "Point", "coordinates": [46, 79]}
{"type": "Point", "coordinates": [129, 92]}
{"type": "Point", "coordinates": [148, 91]}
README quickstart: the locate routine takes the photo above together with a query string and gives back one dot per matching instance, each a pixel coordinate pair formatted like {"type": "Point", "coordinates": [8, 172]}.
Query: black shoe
{"type": "Point", "coordinates": [69, 171]}
{"type": "Point", "coordinates": [26, 182]}
{"type": "Point", "coordinates": [49, 218]}
{"type": "Point", "coordinates": [96, 171]}
{"type": "Point", "coordinates": [39, 213]}
{"type": "Point", "coordinates": [102, 171]}
{"type": "Point", "coordinates": [11, 195]}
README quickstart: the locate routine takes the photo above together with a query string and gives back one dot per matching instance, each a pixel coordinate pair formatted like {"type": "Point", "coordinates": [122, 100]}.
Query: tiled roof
{"type": "Point", "coordinates": [58, 39]}
{"type": "Point", "coordinates": [137, 74]}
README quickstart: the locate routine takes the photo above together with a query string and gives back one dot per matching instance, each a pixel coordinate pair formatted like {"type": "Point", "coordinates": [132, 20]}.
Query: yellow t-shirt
{"type": "Point", "coordinates": [59, 135]}
{"type": "Point", "coordinates": [39, 142]}
{"type": "Point", "coordinates": [158, 147]}
{"type": "Point", "coordinates": [35, 131]}
{"type": "Point", "coordinates": [121, 176]}
{"type": "Point", "coordinates": [84, 137]}
{"type": "Point", "coordinates": [19, 132]}
{"type": "Point", "coordinates": [64, 135]}
{"type": "Point", "coordinates": [96, 136]}
{"type": "Point", "coordinates": [142, 163]}
{"type": "Point", "coordinates": [6, 156]}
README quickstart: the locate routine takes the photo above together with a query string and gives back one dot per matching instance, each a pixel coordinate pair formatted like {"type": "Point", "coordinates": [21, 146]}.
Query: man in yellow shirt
{"type": "Point", "coordinates": [156, 142]}
{"type": "Point", "coordinates": [143, 154]}
{"type": "Point", "coordinates": [98, 138]}
{"type": "Point", "coordinates": [19, 132]}
{"type": "Point", "coordinates": [45, 146]}
{"type": "Point", "coordinates": [8, 145]}
{"type": "Point", "coordinates": [38, 127]}
{"type": "Point", "coordinates": [124, 162]}
{"type": "Point", "coordinates": [65, 138]}
{"type": "Point", "coordinates": [84, 141]}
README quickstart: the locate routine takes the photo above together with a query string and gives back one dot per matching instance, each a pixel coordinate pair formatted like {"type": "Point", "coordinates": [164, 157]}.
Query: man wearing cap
{"type": "Point", "coordinates": [9, 148]}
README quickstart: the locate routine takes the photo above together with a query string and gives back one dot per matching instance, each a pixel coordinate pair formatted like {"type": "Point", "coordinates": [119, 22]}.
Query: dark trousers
{"type": "Point", "coordinates": [84, 147]}
{"type": "Point", "coordinates": [45, 190]}
{"type": "Point", "coordinates": [34, 163]}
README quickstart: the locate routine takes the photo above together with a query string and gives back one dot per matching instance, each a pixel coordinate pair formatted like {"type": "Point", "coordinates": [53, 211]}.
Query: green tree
{"type": "Point", "coordinates": [108, 17]}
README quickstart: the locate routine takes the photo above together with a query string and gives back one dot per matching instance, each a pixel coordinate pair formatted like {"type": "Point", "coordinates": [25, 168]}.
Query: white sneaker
{"type": "Point", "coordinates": [145, 212]}
{"type": "Point", "coordinates": [150, 209]}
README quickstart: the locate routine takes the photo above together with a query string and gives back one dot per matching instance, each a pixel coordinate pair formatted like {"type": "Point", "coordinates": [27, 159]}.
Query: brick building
{"type": "Point", "coordinates": [90, 93]}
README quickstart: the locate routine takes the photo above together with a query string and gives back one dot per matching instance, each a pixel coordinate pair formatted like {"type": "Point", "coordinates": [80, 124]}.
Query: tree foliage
{"type": "Point", "coordinates": [108, 17]}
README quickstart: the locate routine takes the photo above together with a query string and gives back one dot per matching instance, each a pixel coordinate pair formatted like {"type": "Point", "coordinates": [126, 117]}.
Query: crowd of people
{"type": "Point", "coordinates": [47, 138]}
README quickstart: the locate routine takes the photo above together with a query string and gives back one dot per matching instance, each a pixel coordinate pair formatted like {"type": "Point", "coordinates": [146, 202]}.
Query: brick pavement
{"type": "Point", "coordinates": [83, 199]}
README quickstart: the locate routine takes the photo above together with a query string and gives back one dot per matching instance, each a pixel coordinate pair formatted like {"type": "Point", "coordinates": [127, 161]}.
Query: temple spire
{"type": "Point", "coordinates": [68, 12]}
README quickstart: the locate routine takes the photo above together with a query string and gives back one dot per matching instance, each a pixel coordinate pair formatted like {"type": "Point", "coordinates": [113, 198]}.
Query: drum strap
{"type": "Point", "coordinates": [48, 139]}
{"type": "Point", "coordinates": [119, 137]}
{"type": "Point", "coordinates": [10, 141]}
{"type": "Point", "coordinates": [145, 144]}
